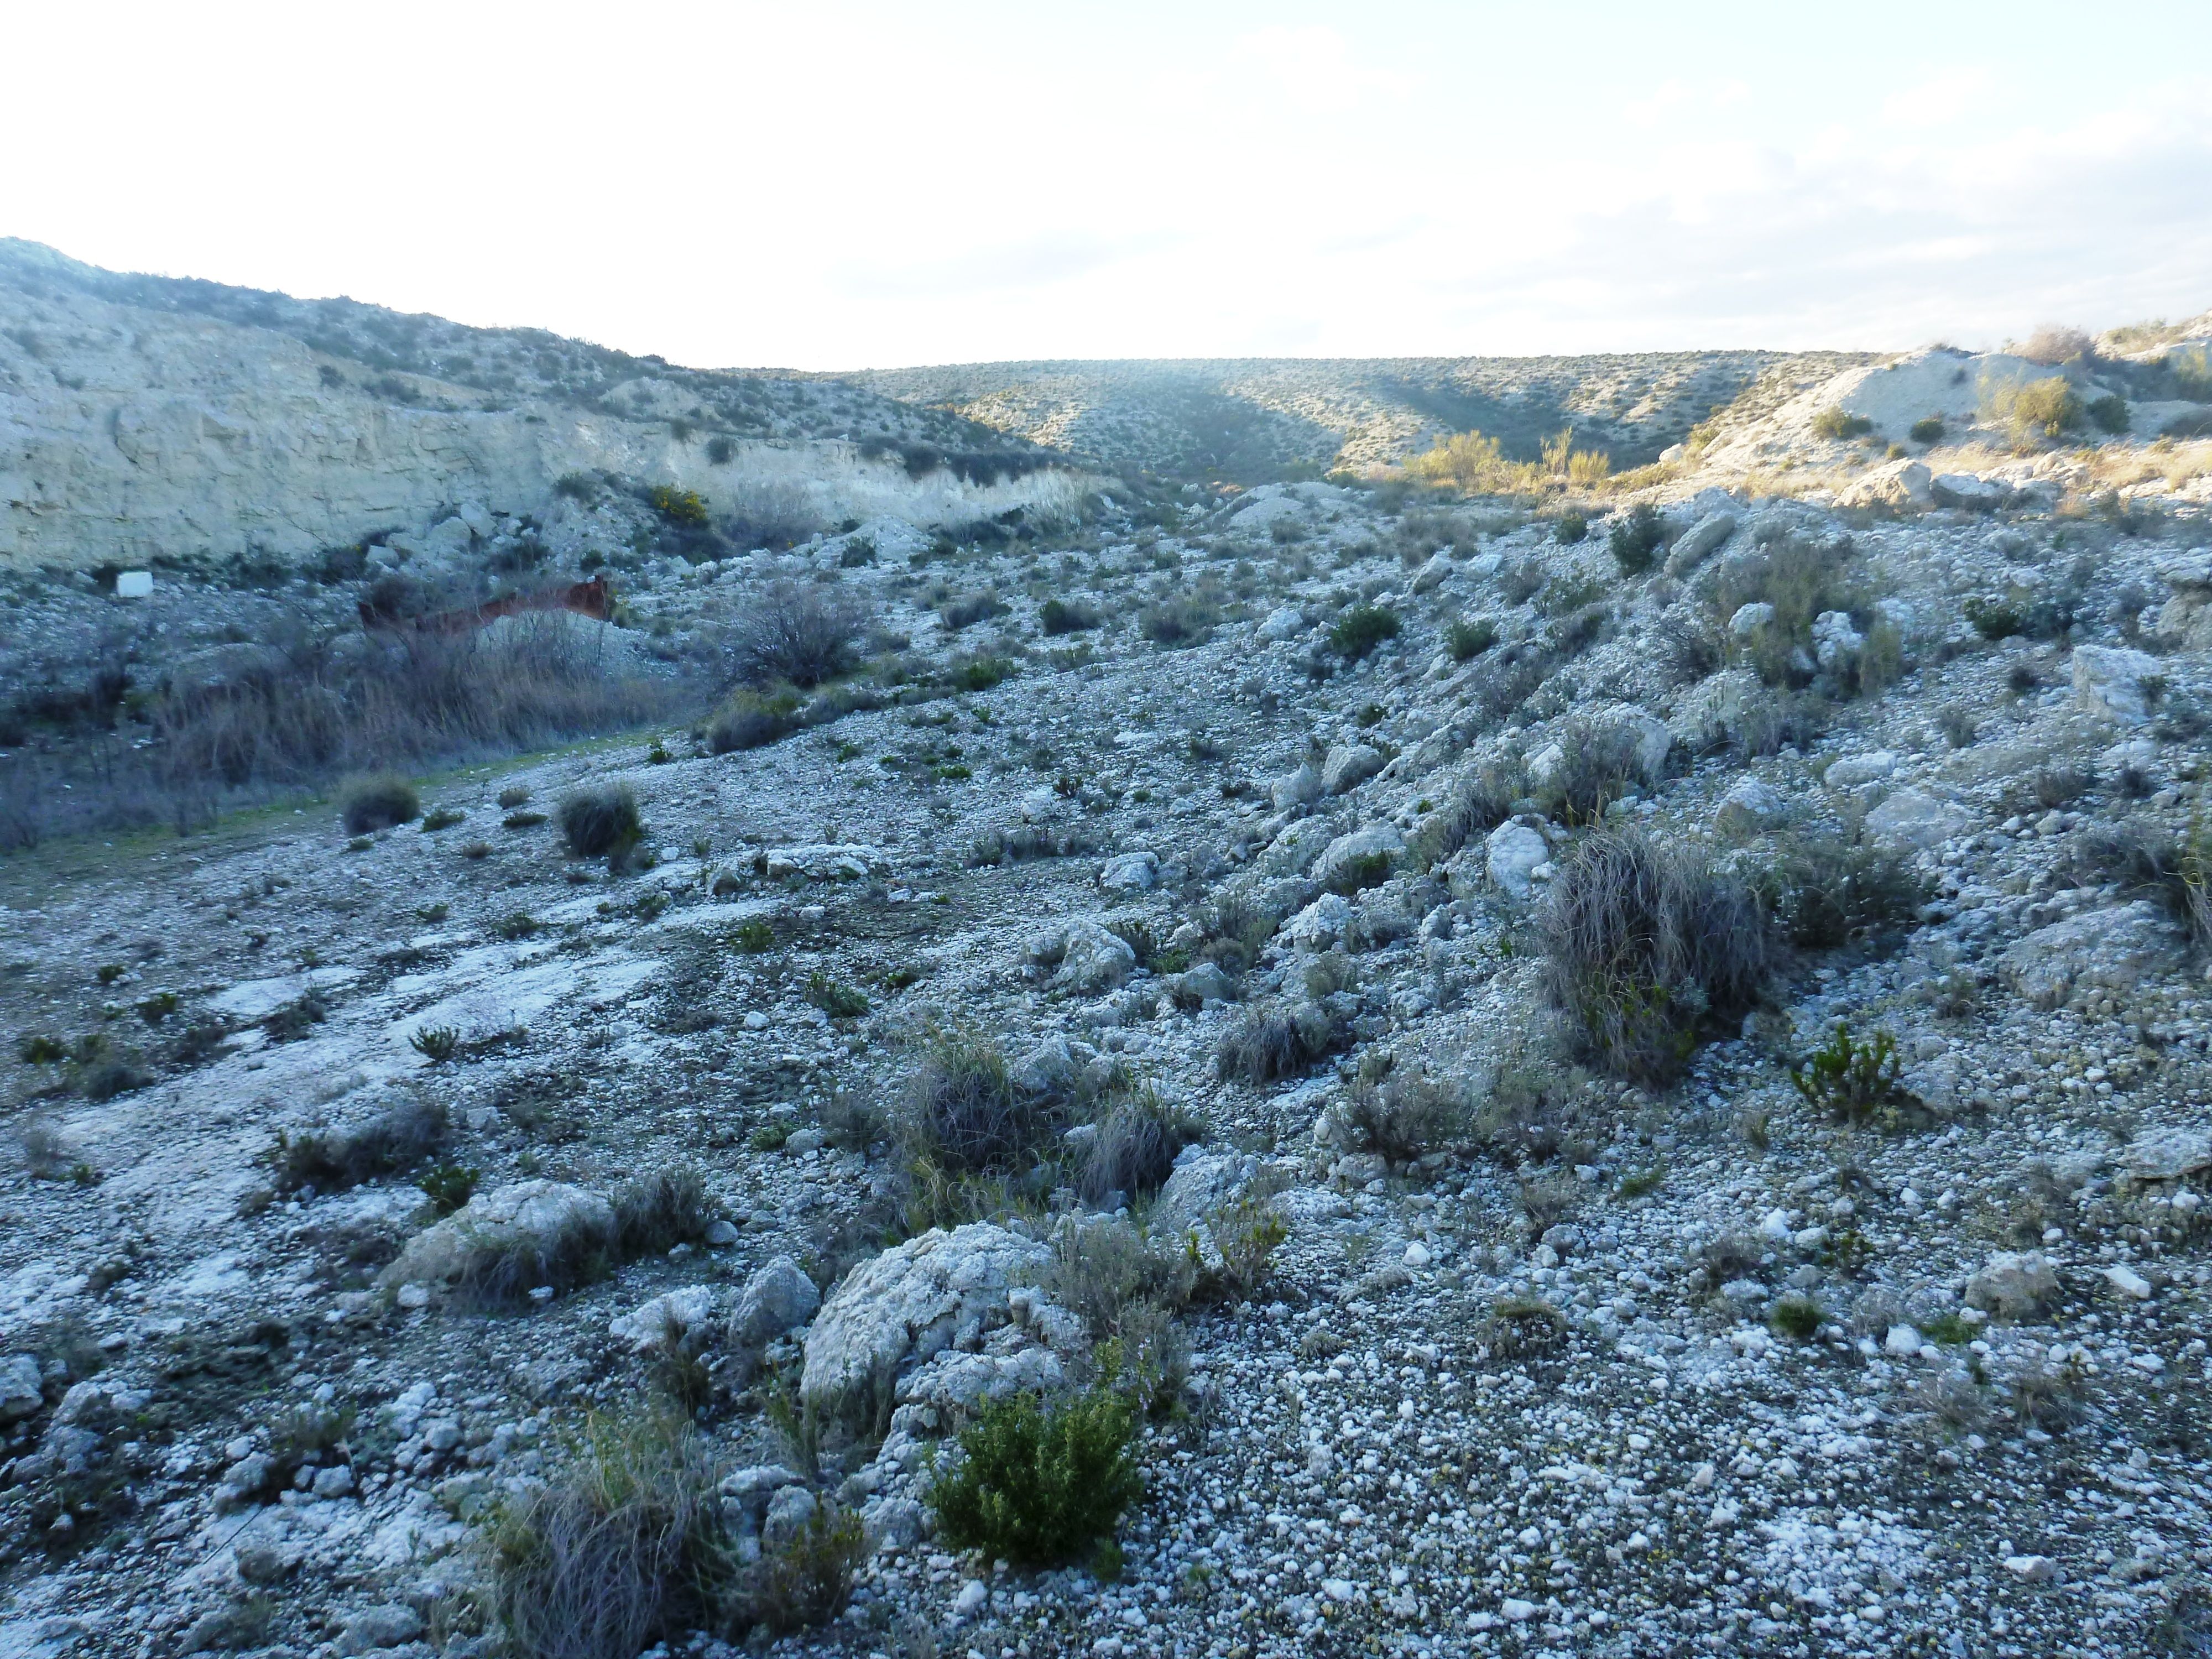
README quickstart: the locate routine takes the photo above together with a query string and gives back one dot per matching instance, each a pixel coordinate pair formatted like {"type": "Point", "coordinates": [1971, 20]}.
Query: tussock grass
{"type": "Point", "coordinates": [334, 1159]}
{"type": "Point", "coordinates": [379, 803]}
{"type": "Point", "coordinates": [1648, 950]}
{"type": "Point", "coordinates": [1274, 1040]}
{"type": "Point", "coordinates": [601, 821]}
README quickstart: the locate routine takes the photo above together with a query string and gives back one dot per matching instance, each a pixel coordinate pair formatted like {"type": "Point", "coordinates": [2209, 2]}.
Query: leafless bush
{"type": "Point", "coordinates": [1103, 1266]}
{"type": "Point", "coordinates": [1647, 949]}
{"type": "Point", "coordinates": [1404, 1115]}
{"type": "Point", "coordinates": [2053, 343]}
{"type": "Point", "coordinates": [45, 1152]}
{"type": "Point", "coordinates": [799, 633]}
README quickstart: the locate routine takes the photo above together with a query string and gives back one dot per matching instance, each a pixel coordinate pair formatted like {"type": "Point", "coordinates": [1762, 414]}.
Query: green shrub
{"type": "Point", "coordinates": [1797, 1317]}
{"type": "Point", "coordinates": [1402, 1116]}
{"type": "Point", "coordinates": [975, 608]}
{"type": "Point", "coordinates": [807, 1579]}
{"type": "Point", "coordinates": [442, 817]}
{"type": "Point", "coordinates": [1853, 1082]}
{"type": "Point", "coordinates": [448, 1186]}
{"type": "Point", "coordinates": [754, 936]}
{"type": "Point", "coordinates": [1927, 430]}
{"type": "Point", "coordinates": [1825, 894]}
{"type": "Point", "coordinates": [522, 820]}
{"type": "Point", "coordinates": [38, 1049]}
{"type": "Point", "coordinates": [752, 720]}
{"type": "Point", "coordinates": [1649, 950]}
{"type": "Point", "coordinates": [1272, 1041]}
{"type": "Point", "coordinates": [379, 803]}
{"type": "Point", "coordinates": [1834, 422]}
{"type": "Point", "coordinates": [1572, 527]}
{"type": "Point", "coordinates": [1361, 628]}
{"type": "Point", "coordinates": [601, 821]}
{"type": "Point", "coordinates": [981, 673]}
{"type": "Point", "coordinates": [513, 795]}
{"type": "Point", "coordinates": [834, 997]}
{"type": "Point", "coordinates": [1994, 619]}
{"type": "Point", "coordinates": [333, 1160]}
{"type": "Point", "coordinates": [1636, 538]}
{"type": "Point", "coordinates": [1066, 616]}
{"type": "Point", "coordinates": [1467, 640]}
{"type": "Point", "coordinates": [962, 1115]}
{"type": "Point", "coordinates": [2034, 411]}
{"type": "Point", "coordinates": [2109, 413]}
{"type": "Point", "coordinates": [1176, 622]}
{"type": "Point", "coordinates": [1040, 1487]}
{"type": "Point", "coordinates": [683, 507]}
{"type": "Point", "coordinates": [435, 1043]}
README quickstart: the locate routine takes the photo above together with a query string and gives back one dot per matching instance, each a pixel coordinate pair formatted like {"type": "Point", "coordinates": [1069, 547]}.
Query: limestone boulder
{"type": "Point", "coordinates": [2097, 951]}
{"type": "Point", "coordinates": [943, 1290]}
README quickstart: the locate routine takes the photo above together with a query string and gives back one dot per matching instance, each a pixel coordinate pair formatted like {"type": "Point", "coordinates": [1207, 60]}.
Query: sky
{"type": "Point", "coordinates": [836, 186]}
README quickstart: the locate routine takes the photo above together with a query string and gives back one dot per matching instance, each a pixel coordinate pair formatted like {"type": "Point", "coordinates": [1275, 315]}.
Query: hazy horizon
{"type": "Point", "coordinates": [865, 187]}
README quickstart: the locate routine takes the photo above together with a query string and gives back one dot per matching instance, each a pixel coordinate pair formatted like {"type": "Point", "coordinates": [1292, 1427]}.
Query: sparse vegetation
{"type": "Point", "coordinates": [1838, 424]}
{"type": "Point", "coordinates": [1274, 1040]}
{"type": "Point", "coordinates": [1852, 1081]}
{"type": "Point", "coordinates": [802, 635]}
{"type": "Point", "coordinates": [335, 1158]}
{"type": "Point", "coordinates": [1635, 538]}
{"type": "Point", "coordinates": [2033, 412]}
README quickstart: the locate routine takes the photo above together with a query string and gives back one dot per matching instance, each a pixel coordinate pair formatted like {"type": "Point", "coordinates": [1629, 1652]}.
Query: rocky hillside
{"type": "Point", "coordinates": [164, 422]}
{"type": "Point", "coordinates": [1620, 1083]}
{"type": "Point", "coordinates": [1266, 418]}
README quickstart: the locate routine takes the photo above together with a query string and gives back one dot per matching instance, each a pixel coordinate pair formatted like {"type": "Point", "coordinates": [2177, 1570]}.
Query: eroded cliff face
{"type": "Point", "coordinates": [130, 434]}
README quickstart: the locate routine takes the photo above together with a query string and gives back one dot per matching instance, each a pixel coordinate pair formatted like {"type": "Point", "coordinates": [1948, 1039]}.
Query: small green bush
{"type": "Point", "coordinates": [601, 821]}
{"type": "Point", "coordinates": [443, 817]}
{"type": "Point", "coordinates": [448, 1186]}
{"type": "Point", "coordinates": [38, 1050]}
{"type": "Point", "coordinates": [513, 796]}
{"type": "Point", "coordinates": [754, 936]}
{"type": "Point", "coordinates": [1825, 894]}
{"type": "Point", "coordinates": [1361, 628]}
{"type": "Point", "coordinates": [808, 1578]}
{"type": "Point", "coordinates": [2109, 413]}
{"type": "Point", "coordinates": [1066, 616]}
{"type": "Point", "coordinates": [1797, 1317]}
{"type": "Point", "coordinates": [1176, 622]}
{"type": "Point", "coordinates": [1834, 422]}
{"type": "Point", "coordinates": [1040, 1487]}
{"type": "Point", "coordinates": [752, 720]}
{"type": "Point", "coordinates": [1467, 640]}
{"type": "Point", "coordinates": [2033, 412]}
{"type": "Point", "coordinates": [1853, 1082]}
{"type": "Point", "coordinates": [1636, 538]}
{"type": "Point", "coordinates": [1572, 527]}
{"type": "Point", "coordinates": [982, 673]}
{"type": "Point", "coordinates": [834, 997]}
{"type": "Point", "coordinates": [370, 804]}
{"type": "Point", "coordinates": [1927, 430]}
{"type": "Point", "coordinates": [435, 1043]}
{"type": "Point", "coordinates": [975, 608]}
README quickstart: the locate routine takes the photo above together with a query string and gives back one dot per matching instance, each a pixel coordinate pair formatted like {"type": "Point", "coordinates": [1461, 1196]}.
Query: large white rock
{"type": "Point", "coordinates": [1916, 819]}
{"type": "Point", "coordinates": [2169, 1155]}
{"type": "Point", "coordinates": [548, 1219]}
{"type": "Point", "coordinates": [1967, 490]}
{"type": "Point", "coordinates": [1853, 770]}
{"type": "Point", "coordinates": [2109, 681]}
{"type": "Point", "coordinates": [1298, 789]}
{"type": "Point", "coordinates": [826, 861]}
{"type": "Point", "coordinates": [1511, 851]}
{"type": "Point", "coordinates": [1900, 484]}
{"type": "Point", "coordinates": [1700, 538]}
{"type": "Point", "coordinates": [1085, 957]}
{"type": "Point", "coordinates": [1130, 873]}
{"type": "Point", "coordinates": [777, 1298]}
{"type": "Point", "coordinates": [1376, 847]}
{"type": "Point", "coordinates": [1319, 924]}
{"type": "Point", "coordinates": [1283, 623]}
{"type": "Point", "coordinates": [1348, 766]}
{"type": "Point", "coordinates": [20, 1394]}
{"type": "Point", "coordinates": [672, 1319]}
{"type": "Point", "coordinates": [2013, 1285]}
{"type": "Point", "coordinates": [1835, 644]}
{"type": "Point", "coordinates": [936, 1292]}
{"type": "Point", "coordinates": [1434, 573]}
{"type": "Point", "coordinates": [1749, 806]}
{"type": "Point", "coordinates": [2098, 950]}
{"type": "Point", "coordinates": [1750, 618]}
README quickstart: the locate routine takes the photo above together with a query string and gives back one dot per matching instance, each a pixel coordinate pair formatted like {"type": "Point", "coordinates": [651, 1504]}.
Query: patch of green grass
{"type": "Point", "coordinates": [1361, 629]}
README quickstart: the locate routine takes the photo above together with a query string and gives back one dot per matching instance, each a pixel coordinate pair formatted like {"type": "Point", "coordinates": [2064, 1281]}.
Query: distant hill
{"type": "Point", "coordinates": [1252, 419]}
